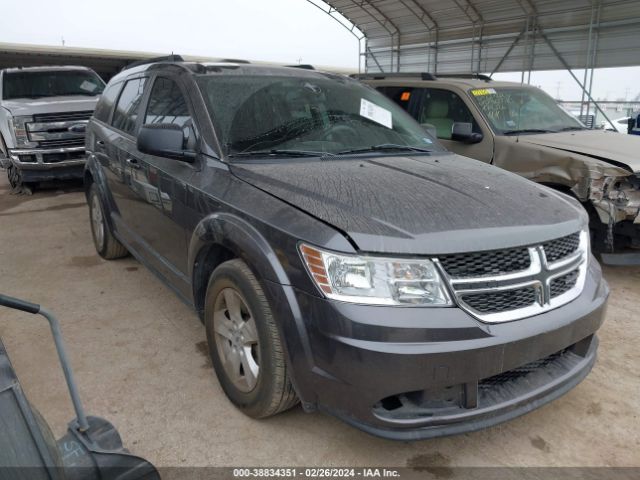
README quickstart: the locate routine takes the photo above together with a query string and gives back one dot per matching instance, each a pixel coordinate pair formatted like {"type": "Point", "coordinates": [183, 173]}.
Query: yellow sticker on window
{"type": "Point", "coordinates": [478, 92]}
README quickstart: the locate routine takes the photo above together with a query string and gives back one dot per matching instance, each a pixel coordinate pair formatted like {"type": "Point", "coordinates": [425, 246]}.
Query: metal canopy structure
{"type": "Point", "coordinates": [462, 36]}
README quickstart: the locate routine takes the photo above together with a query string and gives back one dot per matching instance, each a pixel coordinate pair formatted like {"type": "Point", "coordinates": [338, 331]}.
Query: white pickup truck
{"type": "Point", "coordinates": [43, 116]}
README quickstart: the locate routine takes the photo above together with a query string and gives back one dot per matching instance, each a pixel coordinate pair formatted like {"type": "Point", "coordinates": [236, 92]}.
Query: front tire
{"type": "Point", "coordinates": [107, 245]}
{"type": "Point", "coordinates": [14, 176]}
{"type": "Point", "coordinates": [244, 343]}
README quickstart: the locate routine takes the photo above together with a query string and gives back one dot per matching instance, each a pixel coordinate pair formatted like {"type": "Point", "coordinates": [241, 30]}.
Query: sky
{"type": "Point", "coordinates": [286, 31]}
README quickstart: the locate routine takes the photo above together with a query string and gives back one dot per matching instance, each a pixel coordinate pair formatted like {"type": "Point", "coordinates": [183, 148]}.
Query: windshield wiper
{"type": "Point", "coordinates": [569, 129]}
{"type": "Point", "coordinates": [384, 147]}
{"type": "Point", "coordinates": [278, 152]}
{"type": "Point", "coordinates": [527, 130]}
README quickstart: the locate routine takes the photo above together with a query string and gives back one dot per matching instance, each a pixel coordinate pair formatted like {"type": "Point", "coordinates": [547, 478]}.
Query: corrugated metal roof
{"type": "Point", "coordinates": [474, 35]}
{"type": "Point", "coordinates": [105, 62]}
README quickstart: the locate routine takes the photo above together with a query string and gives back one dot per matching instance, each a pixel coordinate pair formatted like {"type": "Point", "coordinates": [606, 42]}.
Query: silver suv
{"type": "Point", "coordinates": [43, 116]}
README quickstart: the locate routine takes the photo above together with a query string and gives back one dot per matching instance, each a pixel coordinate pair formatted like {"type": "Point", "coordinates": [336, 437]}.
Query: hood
{"type": "Point", "coordinates": [612, 147]}
{"type": "Point", "coordinates": [31, 106]}
{"type": "Point", "coordinates": [419, 205]}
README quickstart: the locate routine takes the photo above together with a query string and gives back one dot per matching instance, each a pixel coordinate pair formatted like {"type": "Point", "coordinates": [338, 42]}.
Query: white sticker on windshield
{"type": "Point", "coordinates": [88, 86]}
{"type": "Point", "coordinates": [374, 112]}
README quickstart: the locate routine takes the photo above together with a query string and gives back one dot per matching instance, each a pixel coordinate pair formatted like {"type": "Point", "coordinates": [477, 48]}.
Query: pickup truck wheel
{"type": "Point", "coordinates": [107, 246]}
{"type": "Point", "coordinates": [15, 179]}
{"type": "Point", "coordinates": [244, 343]}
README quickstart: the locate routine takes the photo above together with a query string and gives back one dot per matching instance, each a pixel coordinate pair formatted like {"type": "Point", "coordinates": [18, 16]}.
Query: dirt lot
{"type": "Point", "coordinates": [139, 357]}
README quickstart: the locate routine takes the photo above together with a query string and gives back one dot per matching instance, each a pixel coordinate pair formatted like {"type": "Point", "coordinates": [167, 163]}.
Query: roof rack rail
{"type": "Point", "coordinates": [234, 60]}
{"type": "Point", "coordinates": [304, 66]}
{"type": "Point", "coordinates": [165, 58]}
{"type": "Point", "coordinates": [382, 75]}
{"type": "Point", "coordinates": [478, 76]}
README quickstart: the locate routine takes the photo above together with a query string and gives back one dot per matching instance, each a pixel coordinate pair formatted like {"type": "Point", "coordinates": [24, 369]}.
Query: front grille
{"type": "Point", "coordinates": [564, 283]}
{"type": "Point", "coordinates": [500, 301]}
{"type": "Point", "coordinates": [478, 264]}
{"type": "Point", "coordinates": [509, 284]}
{"type": "Point", "coordinates": [517, 373]}
{"type": "Point", "coordinates": [63, 116]}
{"type": "Point", "coordinates": [65, 143]}
{"type": "Point", "coordinates": [561, 248]}
{"type": "Point", "coordinates": [62, 157]}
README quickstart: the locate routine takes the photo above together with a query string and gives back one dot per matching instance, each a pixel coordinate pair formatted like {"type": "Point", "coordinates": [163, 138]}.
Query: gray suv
{"type": "Point", "coordinates": [337, 254]}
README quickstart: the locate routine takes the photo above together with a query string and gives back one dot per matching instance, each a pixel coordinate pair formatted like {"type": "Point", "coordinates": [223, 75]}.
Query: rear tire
{"type": "Point", "coordinates": [107, 245]}
{"type": "Point", "coordinates": [244, 343]}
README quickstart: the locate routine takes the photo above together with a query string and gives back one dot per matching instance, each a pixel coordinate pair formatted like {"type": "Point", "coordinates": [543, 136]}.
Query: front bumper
{"type": "Point", "coordinates": [37, 165]}
{"type": "Point", "coordinates": [414, 373]}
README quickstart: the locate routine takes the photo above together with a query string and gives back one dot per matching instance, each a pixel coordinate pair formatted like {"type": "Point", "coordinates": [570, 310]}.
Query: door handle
{"type": "Point", "coordinates": [100, 144]}
{"type": "Point", "coordinates": [133, 163]}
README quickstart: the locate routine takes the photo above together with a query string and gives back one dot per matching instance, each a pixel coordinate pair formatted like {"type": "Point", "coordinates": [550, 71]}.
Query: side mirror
{"type": "Point", "coordinates": [164, 140]}
{"type": "Point", "coordinates": [462, 132]}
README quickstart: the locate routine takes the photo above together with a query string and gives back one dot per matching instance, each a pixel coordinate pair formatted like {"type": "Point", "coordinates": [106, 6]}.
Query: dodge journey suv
{"type": "Point", "coordinates": [337, 254]}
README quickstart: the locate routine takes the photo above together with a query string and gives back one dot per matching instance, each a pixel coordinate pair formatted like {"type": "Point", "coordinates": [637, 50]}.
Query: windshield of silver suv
{"type": "Point", "coordinates": [258, 115]}
{"type": "Point", "coordinates": [523, 110]}
{"type": "Point", "coordinates": [51, 83]}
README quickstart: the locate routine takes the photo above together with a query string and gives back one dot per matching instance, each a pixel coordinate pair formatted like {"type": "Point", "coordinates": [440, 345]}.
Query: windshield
{"type": "Point", "coordinates": [523, 110]}
{"type": "Point", "coordinates": [315, 115]}
{"type": "Point", "coordinates": [51, 83]}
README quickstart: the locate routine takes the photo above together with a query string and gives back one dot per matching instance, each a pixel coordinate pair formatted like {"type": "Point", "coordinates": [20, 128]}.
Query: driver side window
{"type": "Point", "coordinates": [440, 109]}
{"type": "Point", "coordinates": [168, 105]}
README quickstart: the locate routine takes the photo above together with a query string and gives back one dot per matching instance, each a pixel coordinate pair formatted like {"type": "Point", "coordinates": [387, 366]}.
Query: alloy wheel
{"type": "Point", "coordinates": [97, 222]}
{"type": "Point", "coordinates": [236, 339]}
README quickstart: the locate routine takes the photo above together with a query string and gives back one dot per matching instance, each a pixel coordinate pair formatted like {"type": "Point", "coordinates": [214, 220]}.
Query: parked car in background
{"type": "Point", "coordinates": [633, 124]}
{"type": "Point", "coordinates": [43, 116]}
{"type": "Point", "coordinates": [620, 125]}
{"type": "Point", "coordinates": [337, 254]}
{"type": "Point", "coordinates": [522, 129]}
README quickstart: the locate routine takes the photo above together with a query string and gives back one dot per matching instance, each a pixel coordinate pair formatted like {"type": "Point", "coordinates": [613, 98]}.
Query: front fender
{"type": "Point", "coordinates": [237, 235]}
{"type": "Point", "coordinates": [246, 242]}
{"type": "Point", "coordinates": [93, 170]}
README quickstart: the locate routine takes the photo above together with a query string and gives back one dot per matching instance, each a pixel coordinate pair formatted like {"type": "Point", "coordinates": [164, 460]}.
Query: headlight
{"type": "Point", "coordinates": [375, 280]}
{"type": "Point", "coordinates": [18, 125]}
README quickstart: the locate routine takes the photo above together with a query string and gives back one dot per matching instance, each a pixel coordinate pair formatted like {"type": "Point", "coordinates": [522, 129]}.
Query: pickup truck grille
{"type": "Point", "coordinates": [59, 130]}
{"type": "Point", "coordinates": [504, 285]}
{"type": "Point", "coordinates": [72, 142]}
{"type": "Point", "coordinates": [63, 116]}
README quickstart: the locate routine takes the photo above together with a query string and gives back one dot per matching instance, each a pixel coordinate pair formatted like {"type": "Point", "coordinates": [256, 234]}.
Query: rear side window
{"type": "Point", "coordinates": [126, 114]}
{"type": "Point", "coordinates": [105, 105]}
